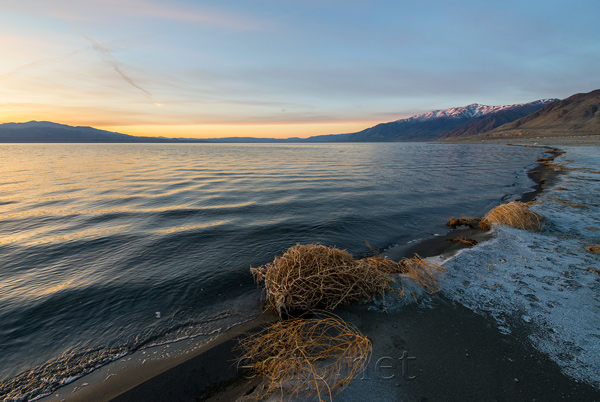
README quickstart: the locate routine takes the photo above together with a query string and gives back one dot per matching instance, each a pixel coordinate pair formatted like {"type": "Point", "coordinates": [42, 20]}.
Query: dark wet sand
{"type": "Point", "coordinates": [452, 354]}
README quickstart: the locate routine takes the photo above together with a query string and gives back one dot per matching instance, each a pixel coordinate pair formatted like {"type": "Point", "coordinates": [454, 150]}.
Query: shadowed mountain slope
{"type": "Point", "coordinates": [47, 132]}
{"type": "Point", "coordinates": [576, 115]}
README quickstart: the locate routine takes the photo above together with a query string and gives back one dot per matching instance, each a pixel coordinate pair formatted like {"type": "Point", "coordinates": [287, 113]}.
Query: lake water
{"type": "Point", "coordinates": [108, 248]}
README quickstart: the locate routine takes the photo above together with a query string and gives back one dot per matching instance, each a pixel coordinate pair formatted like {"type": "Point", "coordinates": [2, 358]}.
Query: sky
{"type": "Point", "coordinates": [285, 68]}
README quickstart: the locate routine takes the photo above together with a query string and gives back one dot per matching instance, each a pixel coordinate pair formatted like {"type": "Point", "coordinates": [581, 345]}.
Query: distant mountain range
{"type": "Point", "coordinates": [45, 131]}
{"type": "Point", "coordinates": [576, 115]}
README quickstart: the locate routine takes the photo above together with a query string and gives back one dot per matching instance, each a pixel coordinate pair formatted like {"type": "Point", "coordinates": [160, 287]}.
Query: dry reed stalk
{"type": "Point", "coordinates": [593, 249]}
{"type": "Point", "coordinates": [485, 225]}
{"type": "Point", "coordinates": [569, 203]}
{"type": "Point", "coordinates": [554, 166]}
{"type": "Point", "coordinates": [417, 268]}
{"type": "Point", "coordinates": [321, 354]}
{"type": "Point", "coordinates": [423, 272]}
{"type": "Point", "coordinates": [515, 214]}
{"type": "Point", "coordinates": [463, 221]}
{"type": "Point", "coordinates": [470, 221]}
{"type": "Point", "coordinates": [464, 240]}
{"type": "Point", "coordinates": [310, 276]}
{"type": "Point", "coordinates": [550, 165]}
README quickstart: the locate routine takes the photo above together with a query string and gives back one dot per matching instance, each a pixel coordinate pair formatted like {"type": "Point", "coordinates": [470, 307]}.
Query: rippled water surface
{"type": "Point", "coordinates": [106, 248]}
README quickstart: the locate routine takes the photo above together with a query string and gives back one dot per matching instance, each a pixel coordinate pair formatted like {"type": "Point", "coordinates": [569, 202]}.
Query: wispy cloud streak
{"type": "Point", "coordinates": [43, 62]}
{"type": "Point", "coordinates": [110, 59]}
{"type": "Point", "coordinates": [106, 55]}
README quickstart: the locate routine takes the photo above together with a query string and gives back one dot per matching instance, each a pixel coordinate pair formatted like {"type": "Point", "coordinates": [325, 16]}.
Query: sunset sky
{"type": "Point", "coordinates": [266, 68]}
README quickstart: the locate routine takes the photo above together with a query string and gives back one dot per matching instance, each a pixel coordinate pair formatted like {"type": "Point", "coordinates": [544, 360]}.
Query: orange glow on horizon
{"type": "Point", "coordinates": [240, 130]}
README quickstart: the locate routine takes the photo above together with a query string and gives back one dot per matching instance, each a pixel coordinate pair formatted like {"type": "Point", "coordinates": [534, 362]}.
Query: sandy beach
{"type": "Point", "coordinates": [508, 324]}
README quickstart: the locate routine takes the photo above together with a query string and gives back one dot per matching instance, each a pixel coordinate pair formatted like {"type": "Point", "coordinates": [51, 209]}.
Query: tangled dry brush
{"type": "Point", "coordinates": [320, 355]}
{"type": "Point", "coordinates": [315, 276]}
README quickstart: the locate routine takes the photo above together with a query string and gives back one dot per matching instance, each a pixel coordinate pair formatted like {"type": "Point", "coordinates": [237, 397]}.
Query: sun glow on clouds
{"type": "Point", "coordinates": [273, 69]}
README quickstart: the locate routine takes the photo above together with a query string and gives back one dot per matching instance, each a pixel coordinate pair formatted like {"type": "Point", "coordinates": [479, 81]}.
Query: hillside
{"type": "Point", "coordinates": [576, 115]}
{"type": "Point", "coordinates": [47, 132]}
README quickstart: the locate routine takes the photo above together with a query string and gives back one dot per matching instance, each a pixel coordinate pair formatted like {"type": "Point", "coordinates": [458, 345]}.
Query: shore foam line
{"type": "Point", "coordinates": [542, 284]}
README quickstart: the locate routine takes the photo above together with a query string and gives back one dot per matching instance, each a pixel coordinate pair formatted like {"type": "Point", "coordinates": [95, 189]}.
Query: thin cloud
{"type": "Point", "coordinates": [44, 62]}
{"type": "Point", "coordinates": [110, 59]}
{"type": "Point", "coordinates": [106, 55]}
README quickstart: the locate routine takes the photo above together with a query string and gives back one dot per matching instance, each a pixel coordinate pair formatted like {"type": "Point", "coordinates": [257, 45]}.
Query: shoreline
{"type": "Point", "coordinates": [198, 367]}
{"type": "Point", "coordinates": [195, 374]}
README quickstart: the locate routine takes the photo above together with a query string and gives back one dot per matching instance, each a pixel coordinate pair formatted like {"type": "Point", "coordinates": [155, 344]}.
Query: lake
{"type": "Point", "coordinates": [109, 248]}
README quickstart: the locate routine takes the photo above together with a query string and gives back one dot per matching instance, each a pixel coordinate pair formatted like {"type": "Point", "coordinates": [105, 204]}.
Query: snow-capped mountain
{"type": "Point", "coordinates": [472, 111]}
{"type": "Point", "coordinates": [441, 124]}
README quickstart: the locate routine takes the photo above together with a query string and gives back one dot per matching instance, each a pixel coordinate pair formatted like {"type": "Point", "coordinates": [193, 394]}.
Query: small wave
{"type": "Point", "coordinates": [44, 379]}
{"type": "Point", "coordinates": [41, 381]}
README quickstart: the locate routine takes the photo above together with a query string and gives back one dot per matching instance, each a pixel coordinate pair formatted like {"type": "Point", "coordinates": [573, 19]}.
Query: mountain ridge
{"type": "Point", "coordinates": [473, 110]}
{"type": "Point", "coordinates": [49, 132]}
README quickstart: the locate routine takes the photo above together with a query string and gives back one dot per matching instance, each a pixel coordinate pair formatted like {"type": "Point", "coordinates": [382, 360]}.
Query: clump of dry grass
{"type": "Point", "coordinates": [593, 249]}
{"type": "Point", "coordinates": [470, 221]}
{"type": "Point", "coordinates": [463, 240]}
{"type": "Point", "coordinates": [313, 276]}
{"type": "Point", "coordinates": [310, 276]}
{"type": "Point", "coordinates": [321, 355]}
{"type": "Point", "coordinates": [515, 214]}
